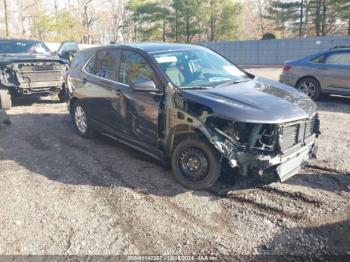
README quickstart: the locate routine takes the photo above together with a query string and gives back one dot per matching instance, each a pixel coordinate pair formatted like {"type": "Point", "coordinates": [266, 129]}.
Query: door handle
{"type": "Point", "coordinates": [116, 92]}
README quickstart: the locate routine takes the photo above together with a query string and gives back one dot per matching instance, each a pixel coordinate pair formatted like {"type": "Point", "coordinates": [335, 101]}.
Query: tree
{"type": "Point", "coordinates": [284, 15]}
{"type": "Point", "coordinates": [342, 10]}
{"type": "Point", "coordinates": [6, 19]}
{"type": "Point", "coordinates": [152, 18]}
{"type": "Point", "coordinates": [268, 36]}
{"type": "Point", "coordinates": [65, 27]}
{"type": "Point", "coordinates": [222, 22]}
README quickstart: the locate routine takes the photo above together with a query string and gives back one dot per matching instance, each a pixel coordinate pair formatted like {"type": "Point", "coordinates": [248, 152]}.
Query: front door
{"type": "Point", "coordinates": [139, 109]}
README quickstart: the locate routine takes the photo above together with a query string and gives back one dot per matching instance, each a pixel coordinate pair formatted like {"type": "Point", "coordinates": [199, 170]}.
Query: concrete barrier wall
{"type": "Point", "coordinates": [274, 52]}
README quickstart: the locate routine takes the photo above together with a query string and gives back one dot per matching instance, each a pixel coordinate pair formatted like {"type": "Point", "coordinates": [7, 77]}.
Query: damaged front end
{"type": "Point", "coordinates": [33, 77]}
{"type": "Point", "coordinates": [271, 151]}
{"type": "Point", "coordinates": [266, 150]}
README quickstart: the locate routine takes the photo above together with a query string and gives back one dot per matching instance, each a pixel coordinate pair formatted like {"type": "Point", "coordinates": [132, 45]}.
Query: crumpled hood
{"type": "Point", "coordinates": [258, 100]}
{"type": "Point", "coordinates": [28, 57]}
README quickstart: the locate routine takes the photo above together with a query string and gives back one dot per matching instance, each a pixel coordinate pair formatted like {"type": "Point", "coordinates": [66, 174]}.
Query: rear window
{"type": "Point", "coordinates": [103, 64]}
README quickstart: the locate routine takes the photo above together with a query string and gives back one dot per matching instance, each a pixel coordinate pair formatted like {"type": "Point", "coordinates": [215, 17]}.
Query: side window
{"type": "Point", "coordinates": [103, 64]}
{"type": "Point", "coordinates": [133, 68]}
{"type": "Point", "coordinates": [69, 47]}
{"type": "Point", "coordinates": [339, 59]}
{"type": "Point", "coordinates": [318, 59]}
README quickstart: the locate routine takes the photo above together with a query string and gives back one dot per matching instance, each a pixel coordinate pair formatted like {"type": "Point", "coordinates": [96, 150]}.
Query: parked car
{"type": "Point", "coordinates": [67, 50]}
{"type": "Point", "coordinates": [326, 72]}
{"type": "Point", "coordinates": [187, 105]}
{"type": "Point", "coordinates": [28, 67]}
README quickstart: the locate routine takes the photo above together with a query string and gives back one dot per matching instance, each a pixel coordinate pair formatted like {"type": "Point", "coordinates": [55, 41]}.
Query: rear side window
{"type": "Point", "coordinates": [103, 64]}
{"type": "Point", "coordinates": [339, 59]}
{"type": "Point", "coordinates": [318, 59]}
{"type": "Point", "coordinates": [133, 68]}
{"type": "Point", "coordinates": [79, 60]}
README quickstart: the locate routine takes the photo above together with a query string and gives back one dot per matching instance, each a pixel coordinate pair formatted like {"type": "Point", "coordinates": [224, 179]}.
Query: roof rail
{"type": "Point", "coordinates": [340, 46]}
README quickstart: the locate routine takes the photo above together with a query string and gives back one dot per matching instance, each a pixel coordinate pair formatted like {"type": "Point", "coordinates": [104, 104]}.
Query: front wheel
{"type": "Point", "coordinates": [81, 121]}
{"type": "Point", "coordinates": [196, 164]}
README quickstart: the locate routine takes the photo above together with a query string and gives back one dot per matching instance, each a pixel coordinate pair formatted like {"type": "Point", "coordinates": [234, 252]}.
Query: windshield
{"type": "Point", "coordinates": [198, 68]}
{"type": "Point", "coordinates": [15, 47]}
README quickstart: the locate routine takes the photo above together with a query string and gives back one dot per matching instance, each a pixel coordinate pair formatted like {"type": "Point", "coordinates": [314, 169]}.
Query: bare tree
{"type": "Point", "coordinates": [6, 19]}
{"type": "Point", "coordinates": [88, 20]}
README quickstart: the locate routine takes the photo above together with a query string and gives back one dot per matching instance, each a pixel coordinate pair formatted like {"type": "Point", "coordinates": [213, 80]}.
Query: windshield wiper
{"type": "Point", "coordinates": [193, 88]}
{"type": "Point", "coordinates": [230, 82]}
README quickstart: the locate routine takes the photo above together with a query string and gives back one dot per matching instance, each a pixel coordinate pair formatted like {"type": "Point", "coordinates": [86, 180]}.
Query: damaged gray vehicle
{"type": "Point", "coordinates": [27, 67]}
{"type": "Point", "coordinates": [189, 106]}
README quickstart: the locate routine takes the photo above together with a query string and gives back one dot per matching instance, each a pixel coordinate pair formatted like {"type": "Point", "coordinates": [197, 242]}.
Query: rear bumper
{"type": "Point", "coordinates": [287, 79]}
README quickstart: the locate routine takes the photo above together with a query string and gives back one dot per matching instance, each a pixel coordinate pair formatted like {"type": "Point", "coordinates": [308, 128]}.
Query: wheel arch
{"type": "Point", "coordinates": [308, 76]}
{"type": "Point", "coordinates": [72, 101]}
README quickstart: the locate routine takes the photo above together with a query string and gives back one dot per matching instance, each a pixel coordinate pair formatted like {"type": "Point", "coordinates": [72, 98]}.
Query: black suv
{"type": "Point", "coordinates": [28, 67]}
{"type": "Point", "coordinates": [190, 106]}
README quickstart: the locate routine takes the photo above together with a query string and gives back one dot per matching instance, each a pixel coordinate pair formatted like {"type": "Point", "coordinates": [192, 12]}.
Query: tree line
{"type": "Point", "coordinates": [104, 21]}
{"type": "Point", "coordinates": [309, 17]}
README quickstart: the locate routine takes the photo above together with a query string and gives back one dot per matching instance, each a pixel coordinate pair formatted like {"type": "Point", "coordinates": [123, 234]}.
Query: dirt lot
{"type": "Point", "coordinates": [62, 194]}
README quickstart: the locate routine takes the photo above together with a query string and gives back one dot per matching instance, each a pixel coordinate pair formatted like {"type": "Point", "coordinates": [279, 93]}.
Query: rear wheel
{"type": "Point", "coordinates": [196, 164]}
{"type": "Point", "coordinates": [310, 86]}
{"type": "Point", "coordinates": [81, 121]}
{"type": "Point", "coordinates": [5, 100]}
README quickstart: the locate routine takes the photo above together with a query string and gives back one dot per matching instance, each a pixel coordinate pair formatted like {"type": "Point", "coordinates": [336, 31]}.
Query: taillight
{"type": "Point", "coordinates": [286, 68]}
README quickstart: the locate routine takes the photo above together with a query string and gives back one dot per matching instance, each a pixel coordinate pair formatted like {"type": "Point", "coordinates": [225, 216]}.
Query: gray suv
{"type": "Point", "coordinates": [326, 72]}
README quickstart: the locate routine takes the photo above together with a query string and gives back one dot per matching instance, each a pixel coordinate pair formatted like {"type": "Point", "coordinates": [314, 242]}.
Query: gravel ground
{"type": "Point", "coordinates": [62, 194]}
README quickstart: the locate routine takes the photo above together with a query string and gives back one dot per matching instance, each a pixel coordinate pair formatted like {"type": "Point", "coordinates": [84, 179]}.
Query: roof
{"type": "Point", "coordinates": [162, 47]}
{"type": "Point", "coordinates": [150, 47]}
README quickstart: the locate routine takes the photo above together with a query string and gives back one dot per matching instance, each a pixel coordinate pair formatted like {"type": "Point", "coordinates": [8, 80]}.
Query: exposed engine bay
{"type": "Point", "coordinates": [33, 77]}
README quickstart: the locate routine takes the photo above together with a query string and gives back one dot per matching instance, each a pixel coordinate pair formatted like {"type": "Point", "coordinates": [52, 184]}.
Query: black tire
{"type": "Point", "coordinates": [62, 95]}
{"type": "Point", "coordinates": [196, 151]}
{"type": "Point", "coordinates": [85, 130]}
{"type": "Point", "coordinates": [5, 100]}
{"type": "Point", "coordinates": [310, 86]}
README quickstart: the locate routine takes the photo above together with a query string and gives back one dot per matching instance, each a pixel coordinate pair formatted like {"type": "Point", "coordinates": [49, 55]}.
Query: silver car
{"type": "Point", "coordinates": [326, 72]}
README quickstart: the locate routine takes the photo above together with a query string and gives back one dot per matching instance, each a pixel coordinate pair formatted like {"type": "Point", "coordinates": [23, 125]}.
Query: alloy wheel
{"type": "Point", "coordinates": [308, 88]}
{"type": "Point", "coordinates": [80, 119]}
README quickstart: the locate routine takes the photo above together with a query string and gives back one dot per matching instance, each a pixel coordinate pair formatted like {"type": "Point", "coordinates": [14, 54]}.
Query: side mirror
{"type": "Point", "coordinates": [144, 85]}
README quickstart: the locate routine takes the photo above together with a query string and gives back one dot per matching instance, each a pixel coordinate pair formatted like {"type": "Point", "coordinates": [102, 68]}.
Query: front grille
{"type": "Point", "coordinates": [293, 134]}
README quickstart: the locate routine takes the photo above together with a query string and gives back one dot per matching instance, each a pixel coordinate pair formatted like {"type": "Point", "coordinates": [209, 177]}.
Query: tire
{"type": "Point", "coordinates": [196, 164]}
{"type": "Point", "coordinates": [62, 95]}
{"type": "Point", "coordinates": [5, 100]}
{"type": "Point", "coordinates": [310, 86]}
{"type": "Point", "coordinates": [81, 121]}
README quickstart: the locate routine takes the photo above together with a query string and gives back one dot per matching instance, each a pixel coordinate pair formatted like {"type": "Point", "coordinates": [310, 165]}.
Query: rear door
{"type": "Point", "coordinates": [100, 93]}
{"type": "Point", "coordinates": [337, 71]}
{"type": "Point", "coordinates": [138, 109]}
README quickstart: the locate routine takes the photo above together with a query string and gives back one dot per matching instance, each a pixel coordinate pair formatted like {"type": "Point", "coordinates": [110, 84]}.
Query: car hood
{"type": "Point", "coordinates": [28, 57]}
{"type": "Point", "coordinates": [258, 100]}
